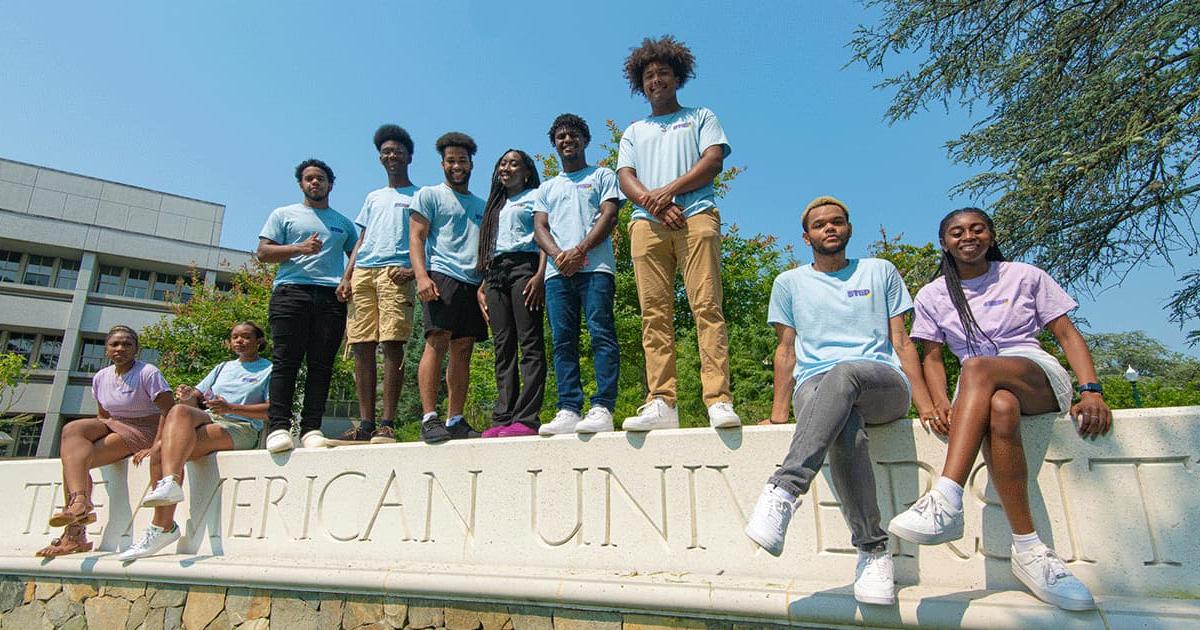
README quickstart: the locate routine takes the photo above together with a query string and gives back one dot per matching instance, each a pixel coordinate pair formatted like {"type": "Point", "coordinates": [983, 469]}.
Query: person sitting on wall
{"type": "Point", "coordinates": [132, 399]}
{"type": "Point", "coordinates": [989, 311]}
{"type": "Point", "coordinates": [224, 412]}
{"type": "Point", "coordinates": [846, 361]}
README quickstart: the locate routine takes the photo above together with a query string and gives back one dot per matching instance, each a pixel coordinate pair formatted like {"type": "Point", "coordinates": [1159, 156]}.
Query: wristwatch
{"type": "Point", "coordinates": [1091, 387]}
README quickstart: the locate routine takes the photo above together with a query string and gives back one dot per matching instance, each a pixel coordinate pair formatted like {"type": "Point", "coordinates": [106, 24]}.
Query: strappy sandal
{"type": "Point", "coordinates": [78, 511]}
{"type": "Point", "coordinates": [73, 540]}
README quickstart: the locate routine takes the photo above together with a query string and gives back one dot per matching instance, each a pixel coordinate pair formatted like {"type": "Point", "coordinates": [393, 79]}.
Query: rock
{"type": "Point", "coordinates": [330, 610]}
{"type": "Point", "coordinates": [220, 622]}
{"type": "Point", "coordinates": [204, 603]}
{"type": "Point", "coordinates": [78, 622]}
{"type": "Point", "coordinates": [395, 612]}
{"type": "Point", "coordinates": [137, 613]}
{"type": "Point", "coordinates": [30, 591]}
{"type": "Point", "coordinates": [656, 622]}
{"type": "Point", "coordinates": [106, 613]}
{"type": "Point", "coordinates": [78, 590]}
{"type": "Point", "coordinates": [154, 619]}
{"type": "Point", "coordinates": [261, 623]}
{"type": "Point", "coordinates": [245, 604]}
{"type": "Point", "coordinates": [60, 609]}
{"type": "Point", "coordinates": [45, 589]}
{"type": "Point", "coordinates": [12, 593]}
{"type": "Point", "coordinates": [173, 618]}
{"type": "Point", "coordinates": [471, 615]}
{"type": "Point", "coordinates": [31, 616]}
{"type": "Point", "coordinates": [361, 610]}
{"type": "Point", "coordinates": [531, 618]}
{"type": "Point", "coordinates": [292, 613]}
{"type": "Point", "coordinates": [125, 590]}
{"type": "Point", "coordinates": [168, 596]}
{"type": "Point", "coordinates": [566, 619]}
{"type": "Point", "coordinates": [424, 615]}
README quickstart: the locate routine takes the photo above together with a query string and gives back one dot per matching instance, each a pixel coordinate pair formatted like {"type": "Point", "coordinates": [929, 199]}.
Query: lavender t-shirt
{"type": "Point", "coordinates": [132, 394]}
{"type": "Point", "coordinates": [1011, 302]}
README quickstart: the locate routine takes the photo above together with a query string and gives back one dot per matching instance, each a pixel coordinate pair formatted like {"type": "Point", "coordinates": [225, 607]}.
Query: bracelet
{"type": "Point", "coordinates": [1091, 387]}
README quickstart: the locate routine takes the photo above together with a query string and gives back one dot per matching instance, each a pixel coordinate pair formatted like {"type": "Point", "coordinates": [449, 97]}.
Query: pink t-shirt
{"type": "Point", "coordinates": [132, 394]}
{"type": "Point", "coordinates": [1012, 302]}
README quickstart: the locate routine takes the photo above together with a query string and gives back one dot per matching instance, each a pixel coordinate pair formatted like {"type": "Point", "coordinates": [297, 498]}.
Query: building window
{"type": "Point", "coordinates": [109, 280]}
{"type": "Point", "coordinates": [91, 356]}
{"type": "Point", "coordinates": [48, 349]}
{"type": "Point", "coordinates": [185, 293]}
{"type": "Point", "coordinates": [40, 351]}
{"type": "Point", "coordinates": [68, 274]}
{"type": "Point", "coordinates": [137, 284]}
{"type": "Point", "coordinates": [166, 286]}
{"type": "Point", "coordinates": [10, 266]}
{"type": "Point", "coordinates": [25, 437]}
{"type": "Point", "coordinates": [38, 270]}
{"type": "Point", "coordinates": [20, 343]}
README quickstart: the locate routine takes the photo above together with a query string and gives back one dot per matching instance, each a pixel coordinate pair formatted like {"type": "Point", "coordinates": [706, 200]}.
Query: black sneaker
{"type": "Point", "coordinates": [383, 435]}
{"type": "Point", "coordinates": [433, 431]}
{"type": "Point", "coordinates": [354, 434]}
{"type": "Point", "coordinates": [462, 431]}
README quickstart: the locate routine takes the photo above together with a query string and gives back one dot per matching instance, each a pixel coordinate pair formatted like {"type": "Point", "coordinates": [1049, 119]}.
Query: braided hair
{"type": "Point", "coordinates": [495, 202]}
{"type": "Point", "coordinates": [949, 269]}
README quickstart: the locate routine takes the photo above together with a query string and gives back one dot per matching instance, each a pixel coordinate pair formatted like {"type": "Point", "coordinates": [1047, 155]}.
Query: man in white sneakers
{"type": "Point", "coordinates": [666, 164]}
{"type": "Point", "coordinates": [844, 360]}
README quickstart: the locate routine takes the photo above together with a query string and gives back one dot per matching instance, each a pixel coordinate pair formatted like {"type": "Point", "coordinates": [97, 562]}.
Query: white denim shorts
{"type": "Point", "coordinates": [1060, 380]}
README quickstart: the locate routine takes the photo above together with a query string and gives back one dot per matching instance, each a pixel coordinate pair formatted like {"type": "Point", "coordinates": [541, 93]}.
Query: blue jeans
{"type": "Point", "coordinates": [592, 293]}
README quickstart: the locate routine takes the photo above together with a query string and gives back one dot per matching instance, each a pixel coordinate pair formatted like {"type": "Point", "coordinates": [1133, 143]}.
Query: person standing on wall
{"type": "Point", "coordinates": [844, 361]}
{"type": "Point", "coordinates": [310, 241]}
{"type": "Point", "coordinates": [573, 216]}
{"type": "Point", "coordinates": [666, 164]}
{"type": "Point", "coordinates": [444, 250]}
{"type": "Point", "coordinates": [382, 294]}
{"type": "Point", "coordinates": [513, 294]}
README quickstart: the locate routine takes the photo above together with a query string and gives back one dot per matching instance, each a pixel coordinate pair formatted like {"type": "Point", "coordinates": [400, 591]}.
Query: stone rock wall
{"type": "Point", "coordinates": [28, 603]}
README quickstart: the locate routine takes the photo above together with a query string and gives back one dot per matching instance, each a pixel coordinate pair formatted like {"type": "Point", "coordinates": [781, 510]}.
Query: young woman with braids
{"type": "Point", "coordinates": [989, 312]}
{"type": "Point", "coordinates": [132, 398]}
{"type": "Point", "coordinates": [512, 295]}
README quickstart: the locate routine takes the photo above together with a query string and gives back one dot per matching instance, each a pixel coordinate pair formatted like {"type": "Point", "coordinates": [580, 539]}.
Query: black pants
{"type": "Point", "coordinates": [307, 324]}
{"type": "Point", "coordinates": [513, 326]}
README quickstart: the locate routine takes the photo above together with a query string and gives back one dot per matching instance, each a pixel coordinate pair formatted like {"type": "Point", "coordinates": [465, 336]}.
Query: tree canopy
{"type": "Point", "coordinates": [1087, 146]}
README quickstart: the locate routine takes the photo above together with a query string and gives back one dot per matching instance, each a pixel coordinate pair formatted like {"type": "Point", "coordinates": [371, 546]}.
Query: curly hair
{"type": "Point", "coordinates": [313, 162]}
{"type": "Point", "coordinates": [572, 122]}
{"type": "Point", "coordinates": [456, 139]}
{"type": "Point", "coordinates": [393, 132]}
{"type": "Point", "coordinates": [666, 50]}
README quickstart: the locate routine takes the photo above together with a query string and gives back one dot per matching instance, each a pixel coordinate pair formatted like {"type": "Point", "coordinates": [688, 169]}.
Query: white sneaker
{"type": "Point", "coordinates": [314, 439]}
{"type": "Point", "coordinates": [769, 521]}
{"type": "Point", "coordinates": [722, 416]}
{"type": "Point", "coordinates": [656, 414]}
{"type": "Point", "coordinates": [1044, 573]}
{"type": "Point", "coordinates": [564, 421]}
{"type": "Point", "coordinates": [154, 540]}
{"type": "Point", "coordinates": [874, 578]}
{"type": "Point", "coordinates": [165, 492]}
{"type": "Point", "coordinates": [597, 420]}
{"type": "Point", "coordinates": [930, 521]}
{"type": "Point", "coordinates": [280, 441]}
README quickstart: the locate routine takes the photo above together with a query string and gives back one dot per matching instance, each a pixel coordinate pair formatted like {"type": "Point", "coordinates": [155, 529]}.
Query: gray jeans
{"type": "Point", "coordinates": [831, 410]}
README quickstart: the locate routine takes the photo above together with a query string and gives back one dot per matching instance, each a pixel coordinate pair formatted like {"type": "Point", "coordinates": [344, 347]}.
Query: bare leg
{"type": "Point", "coordinates": [206, 438]}
{"type": "Point", "coordinates": [393, 377]}
{"type": "Point", "coordinates": [458, 373]}
{"type": "Point", "coordinates": [430, 368]}
{"type": "Point", "coordinates": [1006, 462]}
{"type": "Point", "coordinates": [178, 440]}
{"type": "Point", "coordinates": [364, 379]}
{"type": "Point", "coordinates": [78, 452]}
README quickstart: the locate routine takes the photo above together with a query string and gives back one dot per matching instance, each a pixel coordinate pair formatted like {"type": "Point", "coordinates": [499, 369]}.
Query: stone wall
{"type": "Point", "coordinates": [44, 603]}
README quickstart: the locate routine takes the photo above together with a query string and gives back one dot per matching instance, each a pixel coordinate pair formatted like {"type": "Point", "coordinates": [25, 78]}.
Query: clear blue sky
{"type": "Point", "coordinates": [219, 100]}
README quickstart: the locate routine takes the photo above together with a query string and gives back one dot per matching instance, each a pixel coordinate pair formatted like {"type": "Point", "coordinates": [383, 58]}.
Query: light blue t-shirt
{"type": "Point", "coordinates": [384, 223]}
{"type": "Point", "coordinates": [840, 316]}
{"type": "Point", "coordinates": [241, 384]}
{"type": "Point", "coordinates": [514, 226]}
{"type": "Point", "coordinates": [571, 202]}
{"type": "Point", "coordinates": [292, 224]}
{"type": "Point", "coordinates": [662, 148]}
{"type": "Point", "coordinates": [452, 246]}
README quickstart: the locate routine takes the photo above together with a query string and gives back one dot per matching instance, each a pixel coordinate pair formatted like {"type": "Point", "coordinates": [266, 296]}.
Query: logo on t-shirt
{"type": "Point", "coordinates": [858, 293]}
{"type": "Point", "coordinates": [249, 379]}
{"type": "Point", "coordinates": [337, 229]}
{"type": "Point", "coordinates": [998, 302]}
{"type": "Point", "coordinates": [584, 186]}
{"type": "Point", "coordinates": [681, 125]}
{"type": "Point", "coordinates": [400, 205]}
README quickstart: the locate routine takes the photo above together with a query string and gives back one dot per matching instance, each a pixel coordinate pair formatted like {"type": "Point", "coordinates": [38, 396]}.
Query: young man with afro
{"type": "Point", "coordinates": [379, 281]}
{"type": "Point", "coordinates": [666, 164]}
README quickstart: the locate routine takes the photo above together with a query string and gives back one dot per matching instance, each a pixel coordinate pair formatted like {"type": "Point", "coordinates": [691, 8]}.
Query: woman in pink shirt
{"type": "Point", "coordinates": [989, 312]}
{"type": "Point", "coordinates": [132, 397]}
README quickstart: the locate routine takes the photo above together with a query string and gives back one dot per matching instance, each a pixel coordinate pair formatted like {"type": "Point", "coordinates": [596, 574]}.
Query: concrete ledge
{"type": "Point", "coordinates": [653, 522]}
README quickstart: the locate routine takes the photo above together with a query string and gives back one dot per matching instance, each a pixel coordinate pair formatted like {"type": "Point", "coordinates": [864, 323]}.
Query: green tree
{"type": "Point", "coordinates": [1090, 113]}
{"type": "Point", "coordinates": [13, 372]}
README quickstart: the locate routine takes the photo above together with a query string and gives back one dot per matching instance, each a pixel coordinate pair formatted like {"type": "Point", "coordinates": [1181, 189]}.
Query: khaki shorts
{"type": "Point", "coordinates": [380, 310]}
{"type": "Point", "coordinates": [243, 434]}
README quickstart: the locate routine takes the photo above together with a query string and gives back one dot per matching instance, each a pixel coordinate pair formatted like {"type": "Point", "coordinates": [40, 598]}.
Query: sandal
{"type": "Point", "coordinates": [73, 540]}
{"type": "Point", "coordinates": [78, 511]}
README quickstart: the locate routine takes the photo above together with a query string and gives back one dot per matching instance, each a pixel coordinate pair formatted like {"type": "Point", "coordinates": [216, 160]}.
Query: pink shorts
{"type": "Point", "coordinates": [137, 434]}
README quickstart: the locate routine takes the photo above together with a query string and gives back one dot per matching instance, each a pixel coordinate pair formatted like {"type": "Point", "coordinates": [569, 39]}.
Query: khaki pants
{"type": "Point", "coordinates": [658, 252]}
